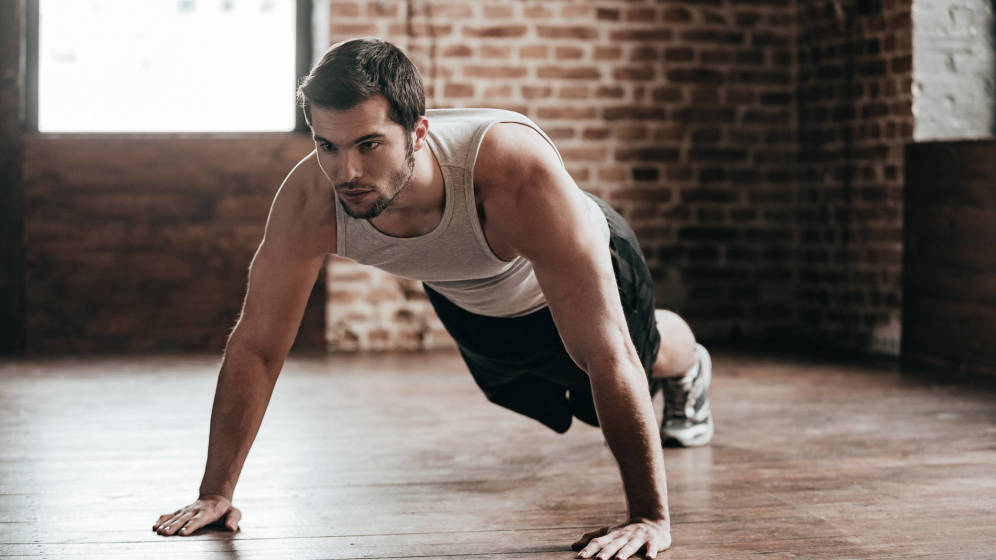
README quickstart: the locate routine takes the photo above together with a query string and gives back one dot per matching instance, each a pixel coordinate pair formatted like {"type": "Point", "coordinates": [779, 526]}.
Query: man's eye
{"type": "Point", "coordinates": [367, 146]}
{"type": "Point", "coordinates": [326, 147]}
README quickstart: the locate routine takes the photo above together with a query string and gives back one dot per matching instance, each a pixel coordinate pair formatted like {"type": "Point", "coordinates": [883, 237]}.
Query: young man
{"type": "Point", "coordinates": [543, 287]}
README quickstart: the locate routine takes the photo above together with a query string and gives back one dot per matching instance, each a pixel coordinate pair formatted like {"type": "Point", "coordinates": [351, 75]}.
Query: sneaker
{"type": "Point", "coordinates": [687, 416]}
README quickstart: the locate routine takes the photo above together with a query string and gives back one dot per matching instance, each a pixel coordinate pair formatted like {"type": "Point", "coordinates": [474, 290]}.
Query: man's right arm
{"type": "Point", "coordinates": [300, 230]}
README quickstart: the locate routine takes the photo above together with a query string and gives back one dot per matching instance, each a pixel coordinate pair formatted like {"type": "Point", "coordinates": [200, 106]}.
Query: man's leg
{"type": "Point", "coordinates": [685, 369]}
{"type": "Point", "coordinates": [677, 350]}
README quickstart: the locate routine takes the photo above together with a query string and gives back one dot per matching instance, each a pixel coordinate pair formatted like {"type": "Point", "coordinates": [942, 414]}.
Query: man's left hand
{"type": "Point", "coordinates": [622, 541]}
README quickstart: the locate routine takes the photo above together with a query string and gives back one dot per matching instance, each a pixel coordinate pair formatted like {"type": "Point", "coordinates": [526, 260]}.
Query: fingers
{"type": "Point", "coordinates": [196, 515]}
{"type": "Point", "coordinates": [172, 524]}
{"type": "Point", "coordinates": [585, 538]}
{"type": "Point", "coordinates": [232, 519]}
{"type": "Point", "coordinates": [631, 547]}
{"type": "Point", "coordinates": [623, 542]}
{"type": "Point", "coordinates": [597, 544]}
{"type": "Point", "coordinates": [605, 547]}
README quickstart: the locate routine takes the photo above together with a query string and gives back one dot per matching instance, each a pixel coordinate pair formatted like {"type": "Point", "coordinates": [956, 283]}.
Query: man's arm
{"type": "Point", "coordinates": [535, 206]}
{"type": "Point", "coordinates": [299, 231]}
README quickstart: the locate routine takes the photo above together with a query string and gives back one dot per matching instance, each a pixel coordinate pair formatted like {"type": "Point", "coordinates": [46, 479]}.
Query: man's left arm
{"type": "Point", "coordinates": [538, 210]}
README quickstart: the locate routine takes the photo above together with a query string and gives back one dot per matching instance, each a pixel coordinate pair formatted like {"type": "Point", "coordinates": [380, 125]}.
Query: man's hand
{"type": "Point", "coordinates": [622, 541]}
{"type": "Point", "coordinates": [207, 509]}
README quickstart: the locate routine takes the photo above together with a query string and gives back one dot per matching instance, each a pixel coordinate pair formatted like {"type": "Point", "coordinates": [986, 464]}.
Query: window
{"type": "Point", "coordinates": [169, 65]}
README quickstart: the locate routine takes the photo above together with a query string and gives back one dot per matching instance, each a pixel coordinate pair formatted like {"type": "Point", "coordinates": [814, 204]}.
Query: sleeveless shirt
{"type": "Point", "coordinates": [454, 258]}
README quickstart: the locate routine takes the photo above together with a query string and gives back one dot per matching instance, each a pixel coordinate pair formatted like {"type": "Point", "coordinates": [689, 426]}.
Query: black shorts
{"type": "Point", "coordinates": [521, 363]}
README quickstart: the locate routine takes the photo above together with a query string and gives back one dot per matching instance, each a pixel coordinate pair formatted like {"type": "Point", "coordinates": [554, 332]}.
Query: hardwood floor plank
{"type": "Point", "coordinates": [402, 457]}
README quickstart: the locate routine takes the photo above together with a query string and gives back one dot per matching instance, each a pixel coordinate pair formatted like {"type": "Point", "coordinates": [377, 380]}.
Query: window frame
{"type": "Point", "coordinates": [302, 64]}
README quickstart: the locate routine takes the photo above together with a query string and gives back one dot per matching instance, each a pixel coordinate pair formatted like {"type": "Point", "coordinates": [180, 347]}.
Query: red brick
{"type": "Point", "coordinates": [642, 15]}
{"type": "Point", "coordinates": [498, 11]}
{"type": "Point", "coordinates": [713, 36]}
{"type": "Point", "coordinates": [381, 9]}
{"type": "Point", "coordinates": [455, 10]}
{"type": "Point", "coordinates": [608, 14]}
{"type": "Point", "coordinates": [644, 194]}
{"type": "Point", "coordinates": [564, 53]}
{"type": "Point", "coordinates": [679, 54]}
{"type": "Point", "coordinates": [561, 133]}
{"type": "Point", "coordinates": [461, 51]}
{"type": "Point", "coordinates": [613, 174]}
{"type": "Point", "coordinates": [534, 51]}
{"type": "Point", "coordinates": [635, 73]}
{"type": "Point", "coordinates": [420, 29]}
{"type": "Point", "coordinates": [566, 32]}
{"type": "Point", "coordinates": [568, 112]}
{"type": "Point", "coordinates": [661, 155]}
{"type": "Point", "coordinates": [353, 29]}
{"type": "Point", "coordinates": [631, 132]}
{"type": "Point", "coordinates": [459, 90]}
{"type": "Point", "coordinates": [569, 72]}
{"type": "Point", "coordinates": [677, 15]}
{"type": "Point", "coordinates": [655, 34]}
{"type": "Point", "coordinates": [599, 133]}
{"type": "Point", "coordinates": [494, 71]}
{"type": "Point", "coordinates": [577, 11]}
{"type": "Point", "coordinates": [592, 154]}
{"type": "Point", "coordinates": [502, 91]}
{"type": "Point", "coordinates": [644, 53]}
{"type": "Point", "coordinates": [496, 51]}
{"type": "Point", "coordinates": [610, 92]}
{"type": "Point", "coordinates": [537, 11]}
{"type": "Point", "coordinates": [344, 9]}
{"type": "Point", "coordinates": [608, 53]}
{"type": "Point", "coordinates": [495, 31]}
{"type": "Point", "coordinates": [537, 92]}
{"type": "Point", "coordinates": [575, 92]}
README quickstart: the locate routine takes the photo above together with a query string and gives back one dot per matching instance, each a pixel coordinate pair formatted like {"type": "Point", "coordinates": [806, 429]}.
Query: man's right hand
{"type": "Point", "coordinates": [207, 509]}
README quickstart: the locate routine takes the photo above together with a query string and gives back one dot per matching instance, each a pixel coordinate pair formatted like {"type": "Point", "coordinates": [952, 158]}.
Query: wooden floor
{"type": "Point", "coordinates": [402, 457]}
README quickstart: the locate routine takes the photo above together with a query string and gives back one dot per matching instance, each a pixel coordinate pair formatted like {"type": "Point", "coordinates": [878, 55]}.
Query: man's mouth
{"type": "Point", "coordinates": [355, 194]}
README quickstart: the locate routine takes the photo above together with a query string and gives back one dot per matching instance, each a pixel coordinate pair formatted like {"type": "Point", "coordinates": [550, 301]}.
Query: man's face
{"type": "Point", "coordinates": [367, 157]}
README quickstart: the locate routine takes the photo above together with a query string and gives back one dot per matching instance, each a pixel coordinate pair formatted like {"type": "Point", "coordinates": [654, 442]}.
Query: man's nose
{"type": "Point", "coordinates": [349, 169]}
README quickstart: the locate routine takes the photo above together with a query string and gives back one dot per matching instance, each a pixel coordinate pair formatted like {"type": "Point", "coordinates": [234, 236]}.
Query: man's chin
{"type": "Point", "coordinates": [365, 212]}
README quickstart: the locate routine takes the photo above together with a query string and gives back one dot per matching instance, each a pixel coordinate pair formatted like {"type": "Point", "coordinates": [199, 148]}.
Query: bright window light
{"type": "Point", "coordinates": [166, 65]}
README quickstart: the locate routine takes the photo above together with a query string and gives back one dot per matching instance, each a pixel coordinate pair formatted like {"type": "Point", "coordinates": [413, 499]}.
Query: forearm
{"type": "Point", "coordinates": [627, 418]}
{"type": "Point", "coordinates": [243, 392]}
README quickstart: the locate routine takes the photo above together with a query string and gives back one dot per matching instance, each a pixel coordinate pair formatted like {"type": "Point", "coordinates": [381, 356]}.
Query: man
{"type": "Point", "coordinates": [543, 287]}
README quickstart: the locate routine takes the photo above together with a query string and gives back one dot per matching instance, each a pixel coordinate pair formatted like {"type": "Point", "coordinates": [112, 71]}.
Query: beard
{"type": "Point", "coordinates": [398, 181]}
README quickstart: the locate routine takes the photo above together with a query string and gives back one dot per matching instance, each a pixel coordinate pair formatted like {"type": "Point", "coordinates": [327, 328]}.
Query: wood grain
{"type": "Point", "coordinates": [400, 456]}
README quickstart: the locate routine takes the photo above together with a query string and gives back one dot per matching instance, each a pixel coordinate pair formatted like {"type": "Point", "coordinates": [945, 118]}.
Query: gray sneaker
{"type": "Point", "coordinates": [687, 416]}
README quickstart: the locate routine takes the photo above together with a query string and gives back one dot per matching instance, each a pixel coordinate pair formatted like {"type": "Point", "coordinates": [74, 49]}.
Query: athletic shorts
{"type": "Point", "coordinates": [520, 362]}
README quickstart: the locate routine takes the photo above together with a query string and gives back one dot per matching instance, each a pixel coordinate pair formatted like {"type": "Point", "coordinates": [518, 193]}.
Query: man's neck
{"type": "Point", "coordinates": [419, 207]}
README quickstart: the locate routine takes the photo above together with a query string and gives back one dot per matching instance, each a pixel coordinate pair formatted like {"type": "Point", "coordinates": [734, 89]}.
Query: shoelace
{"type": "Point", "coordinates": [676, 397]}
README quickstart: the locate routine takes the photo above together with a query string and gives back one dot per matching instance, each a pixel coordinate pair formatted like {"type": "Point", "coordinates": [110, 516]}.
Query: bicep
{"type": "Point", "coordinates": [580, 287]}
{"type": "Point", "coordinates": [544, 215]}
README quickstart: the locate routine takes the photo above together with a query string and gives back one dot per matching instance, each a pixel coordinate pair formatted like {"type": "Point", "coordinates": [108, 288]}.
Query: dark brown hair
{"type": "Point", "coordinates": [355, 70]}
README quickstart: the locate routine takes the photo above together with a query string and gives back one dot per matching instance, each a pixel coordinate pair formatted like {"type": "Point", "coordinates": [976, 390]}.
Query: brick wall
{"type": "Point", "coordinates": [143, 243]}
{"type": "Point", "coordinates": [681, 114]}
{"type": "Point", "coordinates": [855, 117]}
{"type": "Point", "coordinates": [954, 69]}
{"type": "Point", "coordinates": [11, 189]}
{"type": "Point", "coordinates": [754, 145]}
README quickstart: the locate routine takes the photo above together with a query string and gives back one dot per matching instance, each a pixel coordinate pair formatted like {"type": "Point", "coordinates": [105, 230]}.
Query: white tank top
{"type": "Point", "coordinates": [454, 258]}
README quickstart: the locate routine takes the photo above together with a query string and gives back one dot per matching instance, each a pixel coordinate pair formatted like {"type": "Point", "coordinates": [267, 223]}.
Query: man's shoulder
{"type": "Point", "coordinates": [511, 154]}
{"type": "Point", "coordinates": [303, 209]}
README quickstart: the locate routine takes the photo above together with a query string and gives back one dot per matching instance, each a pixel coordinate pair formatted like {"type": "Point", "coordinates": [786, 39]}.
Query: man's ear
{"type": "Point", "coordinates": [420, 132]}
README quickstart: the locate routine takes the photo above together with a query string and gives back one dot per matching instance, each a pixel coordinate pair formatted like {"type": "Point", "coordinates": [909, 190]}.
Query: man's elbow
{"type": "Point", "coordinates": [609, 364]}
